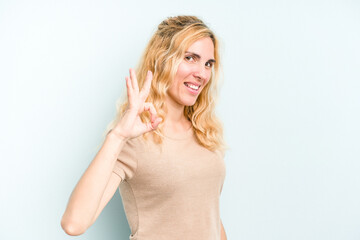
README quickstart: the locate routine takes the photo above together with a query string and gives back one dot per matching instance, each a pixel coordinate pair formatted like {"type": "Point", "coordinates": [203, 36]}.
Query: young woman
{"type": "Point", "coordinates": [165, 148]}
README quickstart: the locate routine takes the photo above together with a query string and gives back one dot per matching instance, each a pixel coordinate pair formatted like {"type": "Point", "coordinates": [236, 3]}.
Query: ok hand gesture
{"type": "Point", "coordinates": [130, 125]}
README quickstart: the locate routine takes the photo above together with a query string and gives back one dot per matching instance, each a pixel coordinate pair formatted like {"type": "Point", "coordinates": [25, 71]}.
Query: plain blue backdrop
{"type": "Point", "coordinates": [289, 103]}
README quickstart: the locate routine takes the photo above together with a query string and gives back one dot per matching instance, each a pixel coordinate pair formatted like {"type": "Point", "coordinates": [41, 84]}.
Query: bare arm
{"type": "Point", "coordinates": [109, 192]}
{"type": "Point", "coordinates": [95, 186]}
{"type": "Point", "coordinates": [223, 234]}
{"type": "Point", "coordinates": [98, 184]}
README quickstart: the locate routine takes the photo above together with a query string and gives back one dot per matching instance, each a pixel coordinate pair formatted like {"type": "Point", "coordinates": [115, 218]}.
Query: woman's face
{"type": "Point", "coordinates": [193, 73]}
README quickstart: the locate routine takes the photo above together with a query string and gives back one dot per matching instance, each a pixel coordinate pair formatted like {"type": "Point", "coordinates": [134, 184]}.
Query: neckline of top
{"type": "Point", "coordinates": [180, 136]}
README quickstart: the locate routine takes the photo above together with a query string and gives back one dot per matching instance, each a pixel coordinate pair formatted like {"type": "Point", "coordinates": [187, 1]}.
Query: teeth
{"type": "Point", "coordinates": [192, 86]}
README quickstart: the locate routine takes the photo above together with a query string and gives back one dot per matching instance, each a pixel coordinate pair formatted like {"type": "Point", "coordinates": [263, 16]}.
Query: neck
{"type": "Point", "coordinates": [175, 119]}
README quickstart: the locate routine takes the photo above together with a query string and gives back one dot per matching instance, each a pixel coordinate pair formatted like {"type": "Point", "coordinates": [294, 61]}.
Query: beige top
{"type": "Point", "coordinates": [173, 194]}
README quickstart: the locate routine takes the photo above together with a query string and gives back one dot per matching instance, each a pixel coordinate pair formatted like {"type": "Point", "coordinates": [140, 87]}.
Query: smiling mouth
{"type": "Point", "coordinates": [191, 86]}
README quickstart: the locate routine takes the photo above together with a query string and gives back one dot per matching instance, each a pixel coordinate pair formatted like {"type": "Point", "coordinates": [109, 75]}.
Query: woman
{"type": "Point", "coordinates": [165, 148]}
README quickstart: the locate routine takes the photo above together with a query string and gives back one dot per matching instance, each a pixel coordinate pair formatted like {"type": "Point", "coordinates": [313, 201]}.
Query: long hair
{"type": "Point", "coordinates": [162, 56]}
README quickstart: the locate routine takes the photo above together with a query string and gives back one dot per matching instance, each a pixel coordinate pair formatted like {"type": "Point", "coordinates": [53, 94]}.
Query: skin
{"type": "Point", "coordinates": [99, 183]}
{"type": "Point", "coordinates": [195, 67]}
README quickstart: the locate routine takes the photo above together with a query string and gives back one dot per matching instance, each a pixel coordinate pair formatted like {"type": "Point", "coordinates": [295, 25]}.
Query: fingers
{"type": "Point", "coordinates": [137, 99]}
{"type": "Point", "coordinates": [134, 82]}
{"type": "Point", "coordinates": [155, 121]}
{"type": "Point", "coordinates": [129, 87]}
{"type": "Point", "coordinates": [150, 107]}
{"type": "Point", "coordinates": [154, 125]}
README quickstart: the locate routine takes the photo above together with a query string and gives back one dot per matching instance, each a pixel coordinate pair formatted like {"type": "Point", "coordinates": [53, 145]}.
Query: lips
{"type": "Point", "coordinates": [187, 84]}
{"type": "Point", "coordinates": [196, 84]}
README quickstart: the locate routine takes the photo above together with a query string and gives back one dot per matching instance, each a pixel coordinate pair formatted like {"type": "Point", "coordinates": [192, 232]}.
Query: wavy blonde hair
{"type": "Point", "coordinates": [162, 56]}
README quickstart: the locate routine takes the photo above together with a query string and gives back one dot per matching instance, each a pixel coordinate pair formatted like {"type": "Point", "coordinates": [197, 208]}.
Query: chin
{"type": "Point", "coordinates": [189, 103]}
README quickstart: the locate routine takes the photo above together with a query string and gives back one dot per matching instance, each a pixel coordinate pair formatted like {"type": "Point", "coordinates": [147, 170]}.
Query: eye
{"type": "Point", "coordinates": [189, 58]}
{"type": "Point", "coordinates": [209, 64]}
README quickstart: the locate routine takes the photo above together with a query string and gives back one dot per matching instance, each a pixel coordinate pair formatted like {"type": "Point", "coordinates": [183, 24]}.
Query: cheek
{"type": "Point", "coordinates": [208, 76]}
{"type": "Point", "coordinates": [206, 83]}
{"type": "Point", "coordinates": [183, 70]}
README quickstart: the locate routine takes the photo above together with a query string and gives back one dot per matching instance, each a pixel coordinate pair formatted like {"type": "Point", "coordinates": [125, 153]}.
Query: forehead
{"type": "Point", "coordinates": [203, 47]}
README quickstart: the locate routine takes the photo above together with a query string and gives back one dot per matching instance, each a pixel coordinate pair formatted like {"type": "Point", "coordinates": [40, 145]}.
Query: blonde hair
{"type": "Point", "coordinates": [162, 56]}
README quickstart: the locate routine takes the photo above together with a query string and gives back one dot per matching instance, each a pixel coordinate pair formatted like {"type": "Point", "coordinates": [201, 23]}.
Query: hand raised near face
{"type": "Point", "coordinates": [130, 125]}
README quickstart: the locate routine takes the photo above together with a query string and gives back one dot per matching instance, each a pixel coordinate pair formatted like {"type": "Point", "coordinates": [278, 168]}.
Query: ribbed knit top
{"type": "Point", "coordinates": [171, 193]}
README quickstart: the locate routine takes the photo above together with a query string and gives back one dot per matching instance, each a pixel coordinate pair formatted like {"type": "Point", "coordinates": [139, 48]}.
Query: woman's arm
{"type": "Point", "coordinates": [94, 189]}
{"type": "Point", "coordinates": [98, 184]}
{"type": "Point", "coordinates": [223, 234]}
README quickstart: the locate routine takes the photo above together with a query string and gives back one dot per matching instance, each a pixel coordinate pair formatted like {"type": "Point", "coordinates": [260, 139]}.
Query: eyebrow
{"type": "Point", "coordinates": [198, 56]}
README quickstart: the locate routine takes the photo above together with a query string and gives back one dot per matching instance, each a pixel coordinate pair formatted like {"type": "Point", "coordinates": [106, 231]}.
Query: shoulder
{"type": "Point", "coordinates": [137, 143]}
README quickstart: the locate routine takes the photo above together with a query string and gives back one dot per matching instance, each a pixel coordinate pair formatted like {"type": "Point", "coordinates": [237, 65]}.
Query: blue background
{"type": "Point", "coordinates": [289, 102]}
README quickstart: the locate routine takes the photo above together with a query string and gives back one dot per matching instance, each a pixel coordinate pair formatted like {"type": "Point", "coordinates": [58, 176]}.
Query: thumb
{"type": "Point", "coordinates": [157, 122]}
{"type": "Point", "coordinates": [152, 126]}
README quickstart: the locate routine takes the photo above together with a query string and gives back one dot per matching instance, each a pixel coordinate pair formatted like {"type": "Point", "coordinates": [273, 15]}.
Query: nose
{"type": "Point", "coordinates": [201, 73]}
